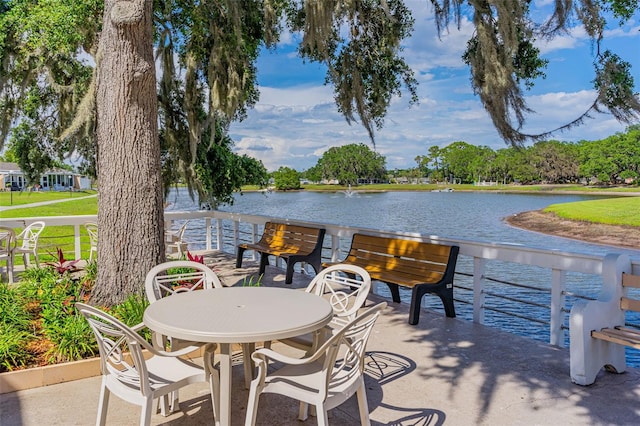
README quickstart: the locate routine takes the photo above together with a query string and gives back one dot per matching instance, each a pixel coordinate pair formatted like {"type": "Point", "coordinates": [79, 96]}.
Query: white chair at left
{"type": "Point", "coordinates": [127, 374]}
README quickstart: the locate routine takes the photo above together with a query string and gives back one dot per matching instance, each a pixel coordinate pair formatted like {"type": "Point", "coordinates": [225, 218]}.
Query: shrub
{"type": "Point", "coordinates": [131, 312]}
{"type": "Point", "coordinates": [73, 340]}
{"type": "Point", "coordinates": [13, 347]}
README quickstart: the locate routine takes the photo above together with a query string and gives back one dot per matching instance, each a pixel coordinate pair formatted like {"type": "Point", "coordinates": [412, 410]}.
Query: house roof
{"type": "Point", "coordinates": [9, 167]}
{"type": "Point", "coordinates": [13, 167]}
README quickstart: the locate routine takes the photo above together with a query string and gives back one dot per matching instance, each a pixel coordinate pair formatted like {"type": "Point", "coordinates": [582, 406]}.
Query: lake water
{"type": "Point", "coordinates": [466, 215]}
{"type": "Point", "coordinates": [477, 216]}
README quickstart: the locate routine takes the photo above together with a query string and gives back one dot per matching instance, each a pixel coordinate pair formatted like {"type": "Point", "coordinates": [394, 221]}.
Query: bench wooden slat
{"type": "Point", "coordinates": [623, 335]}
{"type": "Point", "coordinates": [628, 304]}
{"type": "Point", "coordinates": [620, 335]}
{"type": "Point", "coordinates": [421, 266]}
{"type": "Point", "coordinates": [294, 243]}
{"type": "Point", "coordinates": [629, 280]}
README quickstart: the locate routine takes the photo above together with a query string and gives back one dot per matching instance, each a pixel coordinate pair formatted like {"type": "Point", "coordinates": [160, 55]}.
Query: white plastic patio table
{"type": "Point", "coordinates": [237, 315]}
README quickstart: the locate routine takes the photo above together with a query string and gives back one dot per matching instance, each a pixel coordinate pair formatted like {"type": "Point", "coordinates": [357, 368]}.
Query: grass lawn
{"type": "Point", "coordinates": [17, 198]}
{"type": "Point", "coordinates": [611, 211]}
{"type": "Point", "coordinates": [53, 237]}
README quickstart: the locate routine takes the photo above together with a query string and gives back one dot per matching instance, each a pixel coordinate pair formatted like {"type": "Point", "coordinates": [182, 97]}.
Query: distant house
{"type": "Point", "coordinates": [11, 176]}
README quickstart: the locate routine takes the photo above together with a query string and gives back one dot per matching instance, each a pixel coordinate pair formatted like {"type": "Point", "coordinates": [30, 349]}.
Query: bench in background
{"type": "Point", "coordinates": [598, 333]}
{"type": "Point", "coordinates": [293, 243]}
{"type": "Point", "coordinates": [423, 267]}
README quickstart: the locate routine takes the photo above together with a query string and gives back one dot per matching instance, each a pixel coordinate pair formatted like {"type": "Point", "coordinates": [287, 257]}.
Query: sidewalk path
{"type": "Point", "coordinates": [43, 203]}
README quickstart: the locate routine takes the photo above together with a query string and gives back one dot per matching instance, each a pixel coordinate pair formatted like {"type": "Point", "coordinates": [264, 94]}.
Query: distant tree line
{"type": "Point", "coordinates": [613, 160]}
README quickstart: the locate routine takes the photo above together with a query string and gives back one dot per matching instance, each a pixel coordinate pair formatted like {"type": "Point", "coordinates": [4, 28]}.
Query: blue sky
{"type": "Point", "coordinates": [296, 120]}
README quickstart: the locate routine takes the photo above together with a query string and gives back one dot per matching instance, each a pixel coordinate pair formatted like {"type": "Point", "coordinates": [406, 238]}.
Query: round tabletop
{"type": "Point", "coordinates": [238, 314]}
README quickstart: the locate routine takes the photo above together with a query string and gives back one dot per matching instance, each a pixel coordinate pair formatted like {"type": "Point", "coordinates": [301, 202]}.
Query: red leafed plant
{"type": "Point", "coordinates": [195, 257]}
{"type": "Point", "coordinates": [63, 265]}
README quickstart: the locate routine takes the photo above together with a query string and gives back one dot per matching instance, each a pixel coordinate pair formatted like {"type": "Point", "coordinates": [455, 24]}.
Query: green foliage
{"type": "Point", "coordinates": [220, 172]}
{"type": "Point", "coordinates": [42, 307]}
{"type": "Point", "coordinates": [73, 339]}
{"type": "Point", "coordinates": [15, 333]}
{"type": "Point", "coordinates": [131, 312]}
{"type": "Point", "coordinates": [286, 178]}
{"type": "Point", "coordinates": [13, 347]}
{"type": "Point", "coordinates": [351, 162]}
{"type": "Point", "coordinates": [252, 281]}
{"type": "Point", "coordinates": [610, 161]}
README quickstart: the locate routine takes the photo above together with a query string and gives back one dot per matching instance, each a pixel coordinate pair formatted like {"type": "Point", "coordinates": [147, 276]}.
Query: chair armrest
{"type": "Point", "coordinates": [264, 354]}
{"type": "Point", "coordinates": [138, 327]}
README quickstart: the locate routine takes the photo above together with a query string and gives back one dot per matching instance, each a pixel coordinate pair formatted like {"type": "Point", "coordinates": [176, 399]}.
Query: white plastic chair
{"type": "Point", "coordinates": [346, 287]}
{"type": "Point", "coordinates": [174, 241]}
{"type": "Point", "coordinates": [7, 246]}
{"type": "Point", "coordinates": [92, 230]}
{"type": "Point", "coordinates": [127, 374]}
{"type": "Point", "coordinates": [161, 282]}
{"type": "Point", "coordinates": [29, 244]}
{"type": "Point", "coordinates": [325, 379]}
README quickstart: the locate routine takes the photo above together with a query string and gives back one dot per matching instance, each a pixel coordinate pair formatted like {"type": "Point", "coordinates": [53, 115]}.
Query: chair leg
{"type": "Point", "coordinates": [303, 411]}
{"type": "Point", "coordinates": [10, 270]}
{"type": "Point", "coordinates": [145, 416]}
{"type": "Point", "coordinates": [363, 406]}
{"type": "Point", "coordinates": [323, 416]}
{"type": "Point", "coordinates": [252, 406]}
{"type": "Point", "coordinates": [214, 380]}
{"type": "Point", "coordinates": [103, 403]}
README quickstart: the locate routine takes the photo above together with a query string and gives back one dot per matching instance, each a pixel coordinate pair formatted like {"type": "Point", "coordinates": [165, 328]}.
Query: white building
{"type": "Point", "coordinates": [11, 176]}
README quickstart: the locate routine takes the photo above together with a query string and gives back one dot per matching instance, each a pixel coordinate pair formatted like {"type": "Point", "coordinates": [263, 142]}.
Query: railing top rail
{"type": "Point", "coordinates": [554, 259]}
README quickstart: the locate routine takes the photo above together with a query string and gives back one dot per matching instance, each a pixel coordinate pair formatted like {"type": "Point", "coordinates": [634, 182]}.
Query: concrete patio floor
{"type": "Point", "coordinates": [441, 371]}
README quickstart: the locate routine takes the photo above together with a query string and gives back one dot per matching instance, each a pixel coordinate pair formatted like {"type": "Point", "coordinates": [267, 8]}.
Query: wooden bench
{"type": "Point", "coordinates": [423, 267]}
{"type": "Point", "coordinates": [598, 333]}
{"type": "Point", "coordinates": [293, 243]}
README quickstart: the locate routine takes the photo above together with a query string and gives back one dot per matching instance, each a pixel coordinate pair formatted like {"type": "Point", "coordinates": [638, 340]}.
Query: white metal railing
{"type": "Point", "coordinates": [479, 263]}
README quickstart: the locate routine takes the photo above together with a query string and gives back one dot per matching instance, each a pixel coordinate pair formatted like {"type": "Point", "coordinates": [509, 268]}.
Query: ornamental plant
{"type": "Point", "coordinates": [62, 265]}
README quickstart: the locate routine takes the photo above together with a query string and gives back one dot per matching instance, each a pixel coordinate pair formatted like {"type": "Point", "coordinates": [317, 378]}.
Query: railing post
{"type": "Point", "coordinates": [76, 232]}
{"type": "Point", "coordinates": [254, 239]}
{"type": "Point", "coordinates": [556, 321]}
{"type": "Point", "coordinates": [479, 266]}
{"type": "Point", "coordinates": [219, 235]}
{"type": "Point", "coordinates": [236, 233]}
{"type": "Point", "coordinates": [207, 232]}
{"type": "Point", "coordinates": [335, 248]}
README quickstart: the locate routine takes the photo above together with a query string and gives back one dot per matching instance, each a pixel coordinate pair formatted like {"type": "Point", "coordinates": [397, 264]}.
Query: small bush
{"type": "Point", "coordinates": [131, 312]}
{"type": "Point", "coordinates": [73, 340]}
{"type": "Point", "coordinates": [13, 347]}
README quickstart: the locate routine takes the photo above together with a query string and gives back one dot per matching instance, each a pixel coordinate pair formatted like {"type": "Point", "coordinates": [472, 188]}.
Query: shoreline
{"type": "Point", "coordinates": [548, 223]}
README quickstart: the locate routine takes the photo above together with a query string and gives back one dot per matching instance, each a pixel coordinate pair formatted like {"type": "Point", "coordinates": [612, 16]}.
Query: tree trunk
{"type": "Point", "coordinates": [130, 204]}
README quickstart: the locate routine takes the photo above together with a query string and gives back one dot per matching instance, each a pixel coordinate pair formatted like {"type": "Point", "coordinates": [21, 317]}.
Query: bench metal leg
{"type": "Point", "coordinates": [264, 261]}
{"type": "Point", "coordinates": [289, 275]}
{"type": "Point", "coordinates": [445, 294]}
{"type": "Point", "coordinates": [239, 257]}
{"type": "Point", "coordinates": [395, 291]}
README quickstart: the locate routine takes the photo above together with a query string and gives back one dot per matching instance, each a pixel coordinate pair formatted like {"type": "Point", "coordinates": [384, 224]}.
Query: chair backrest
{"type": "Point", "coordinates": [120, 349]}
{"type": "Point", "coordinates": [344, 352]}
{"type": "Point", "coordinates": [30, 235]}
{"type": "Point", "coordinates": [92, 230]}
{"type": "Point", "coordinates": [7, 241]}
{"type": "Point", "coordinates": [176, 236]}
{"type": "Point", "coordinates": [179, 276]}
{"type": "Point", "coordinates": [345, 286]}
